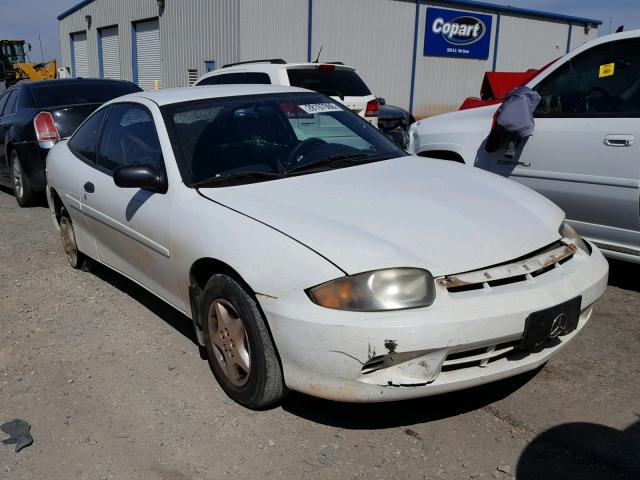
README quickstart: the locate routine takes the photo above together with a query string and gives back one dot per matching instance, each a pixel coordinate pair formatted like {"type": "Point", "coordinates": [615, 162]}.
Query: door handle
{"type": "Point", "coordinates": [89, 187]}
{"type": "Point", "coordinates": [619, 140]}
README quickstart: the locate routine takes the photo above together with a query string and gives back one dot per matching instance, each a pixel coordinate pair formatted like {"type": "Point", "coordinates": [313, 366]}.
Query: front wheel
{"type": "Point", "coordinates": [24, 193]}
{"type": "Point", "coordinates": [239, 346]}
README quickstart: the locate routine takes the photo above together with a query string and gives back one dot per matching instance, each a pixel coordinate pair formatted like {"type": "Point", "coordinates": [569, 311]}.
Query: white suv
{"type": "Point", "coordinates": [335, 80]}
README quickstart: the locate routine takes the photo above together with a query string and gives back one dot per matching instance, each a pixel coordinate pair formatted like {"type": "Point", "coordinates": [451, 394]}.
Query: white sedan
{"type": "Point", "coordinates": [311, 253]}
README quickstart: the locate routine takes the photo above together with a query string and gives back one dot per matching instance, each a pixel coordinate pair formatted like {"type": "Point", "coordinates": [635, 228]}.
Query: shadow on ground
{"type": "Point", "coordinates": [166, 312]}
{"type": "Point", "coordinates": [585, 451]}
{"type": "Point", "coordinates": [367, 416]}
{"type": "Point", "coordinates": [624, 275]}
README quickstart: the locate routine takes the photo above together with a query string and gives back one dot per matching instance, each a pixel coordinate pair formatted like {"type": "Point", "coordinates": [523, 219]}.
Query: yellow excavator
{"type": "Point", "coordinates": [14, 65]}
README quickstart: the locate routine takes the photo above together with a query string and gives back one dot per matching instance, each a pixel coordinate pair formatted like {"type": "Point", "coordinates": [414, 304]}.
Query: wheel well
{"type": "Point", "coordinates": [203, 269]}
{"type": "Point", "coordinates": [57, 204]}
{"type": "Point", "coordinates": [442, 155]}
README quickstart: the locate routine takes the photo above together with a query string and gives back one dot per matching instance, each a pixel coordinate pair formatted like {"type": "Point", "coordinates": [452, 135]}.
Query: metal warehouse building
{"type": "Point", "coordinates": [426, 56]}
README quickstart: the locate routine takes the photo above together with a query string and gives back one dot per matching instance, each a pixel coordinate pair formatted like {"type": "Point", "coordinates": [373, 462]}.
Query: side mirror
{"type": "Point", "coordinates": [381, 101]}
{"type": "Point", "coordinates": [142, 176]}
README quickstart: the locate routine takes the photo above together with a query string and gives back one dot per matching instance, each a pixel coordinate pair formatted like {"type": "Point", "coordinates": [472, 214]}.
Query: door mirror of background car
{"type": "Point", "coordinates": [381, 101]}
{"type": "Point", "coordinates": [146, 177]}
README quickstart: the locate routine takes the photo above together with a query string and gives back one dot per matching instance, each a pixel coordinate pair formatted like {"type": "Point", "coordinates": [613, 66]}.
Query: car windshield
{"type": "Point", "coordinates": [73, 93]}
{"type": "Point", "coordinates": [262, 137]}
{"type": "Point", "coordinates": [330, 81]}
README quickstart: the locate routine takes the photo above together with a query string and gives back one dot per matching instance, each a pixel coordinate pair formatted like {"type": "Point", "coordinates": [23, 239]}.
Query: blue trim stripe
{"type": "Point", "coordinates": [416, 24]}
{"type": "Point", "coordinates": [134, 53]}
{"type": "Point", "coordinates": [73, 56]}
{"type": "Point", "coordinates": [569, 37]}
{"type": "Point", "coordinates": [75, 8]}
{"type": "Point", "coordinates": [309, 29]}
{"type": "Point", "coordinates": [495, 42]}
{"type": "Point", "coordinates": [100, 59]}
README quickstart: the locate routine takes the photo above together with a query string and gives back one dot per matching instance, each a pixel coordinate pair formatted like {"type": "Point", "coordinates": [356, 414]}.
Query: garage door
{"type": "Point", "coordinates": [110, 51]}
{"type": "Point", "coordinates": [147, 54]}
{"type": "Point", "coordinates": [79, 55]}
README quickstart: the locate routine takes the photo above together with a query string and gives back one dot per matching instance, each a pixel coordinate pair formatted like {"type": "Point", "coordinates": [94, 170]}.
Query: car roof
{"type": "Point", "coordinates": [70, 81]}
{"type": "Point", "coordinates": [168, 96]}
{"type": "Point", "coordinates": [267, 67]}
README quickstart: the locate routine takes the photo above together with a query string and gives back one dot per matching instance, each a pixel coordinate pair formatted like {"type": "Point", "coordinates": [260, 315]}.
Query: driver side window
{"type": "Point", "coordinates": [129, 137]}
{"type": "Point", "coordinates": [603, 81]}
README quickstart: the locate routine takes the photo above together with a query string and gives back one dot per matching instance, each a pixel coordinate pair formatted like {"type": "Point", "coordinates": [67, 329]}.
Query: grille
{"type": "Point", "coordinates": [478, 357]}
{"type": "Point", "coordinates": [519, 270]}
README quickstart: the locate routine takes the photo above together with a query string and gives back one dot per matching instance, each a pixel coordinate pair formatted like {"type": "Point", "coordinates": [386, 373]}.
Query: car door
{"type": "Point", "coordinates": [7, 111]}
{"type": "Point", "coordinates": [130, 226]}
{"type": "Point", "coordinates": [584, 154]}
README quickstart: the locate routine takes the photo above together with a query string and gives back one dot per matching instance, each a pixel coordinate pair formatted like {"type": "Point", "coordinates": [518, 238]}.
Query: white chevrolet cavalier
{"type": "Point", "coordinates": [311, 253]}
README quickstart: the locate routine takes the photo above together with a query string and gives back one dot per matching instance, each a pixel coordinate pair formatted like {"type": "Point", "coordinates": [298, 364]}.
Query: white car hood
{"type": "Point", "coordinates": [409, 211]}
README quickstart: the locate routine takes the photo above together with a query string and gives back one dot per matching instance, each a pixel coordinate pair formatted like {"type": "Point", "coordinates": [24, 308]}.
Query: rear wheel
{"type": "Point", "coordinates": [21, 182]}
{"type": "Point", "coordinates": [240, 350]}
{"type": "Point", "coordinates": [75, 257]}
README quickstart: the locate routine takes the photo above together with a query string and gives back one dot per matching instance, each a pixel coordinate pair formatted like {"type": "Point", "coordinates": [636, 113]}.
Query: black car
{"type": "Point", "coordinates": [34, 116]}
{"type": "Point", "coordinates": [394, 122]}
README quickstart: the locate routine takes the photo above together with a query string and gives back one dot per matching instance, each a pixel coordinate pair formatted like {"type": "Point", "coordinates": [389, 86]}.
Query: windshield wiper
{"type": "Point", "coordinates": [336, 157]}
{"type": "Point", "coordinates": [233, 178]}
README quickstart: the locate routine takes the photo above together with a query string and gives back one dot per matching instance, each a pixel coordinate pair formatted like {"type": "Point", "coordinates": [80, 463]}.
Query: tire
{"type": "Point", "coordinates": [68, 236]}
{"type": "Point", "coordinates": [239, 347]}
{"type": "Point", "coordinates": [22, 188]}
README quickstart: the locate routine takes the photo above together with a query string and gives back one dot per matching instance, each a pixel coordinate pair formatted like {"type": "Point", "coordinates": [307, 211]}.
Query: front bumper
{"type": "Point", "coordinates": [383, 356]}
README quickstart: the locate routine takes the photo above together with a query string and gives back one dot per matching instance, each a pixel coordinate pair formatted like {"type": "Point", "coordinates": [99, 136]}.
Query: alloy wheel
{"type": "Point", "coordinates": [18, 184]}
{"type": "Point", "coordinates": [69, 240]}
{"type": "Point", "coordinates": [231, 343]}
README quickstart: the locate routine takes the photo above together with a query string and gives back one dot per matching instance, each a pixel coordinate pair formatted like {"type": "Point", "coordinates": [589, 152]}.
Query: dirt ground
{"type": "Point", "coordinates": [115, 388]}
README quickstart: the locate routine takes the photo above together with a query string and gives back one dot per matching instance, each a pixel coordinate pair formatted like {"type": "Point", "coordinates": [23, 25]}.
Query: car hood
{"type": "Point", "coordinates": [408, 211]}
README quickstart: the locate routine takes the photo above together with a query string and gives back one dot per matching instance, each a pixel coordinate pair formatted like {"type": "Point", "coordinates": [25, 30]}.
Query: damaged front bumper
{"type": "Point", "coordinates": [466, 338]}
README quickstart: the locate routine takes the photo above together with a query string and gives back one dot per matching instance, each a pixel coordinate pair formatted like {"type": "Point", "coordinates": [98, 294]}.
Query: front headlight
{"type": "Point", "coordinates": [567, 231]}
{"type": "Point", "coordinates": [389, 289]}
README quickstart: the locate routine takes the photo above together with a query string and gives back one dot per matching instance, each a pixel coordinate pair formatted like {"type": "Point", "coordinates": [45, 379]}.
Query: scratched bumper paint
{"type": "Point", "coordinates": [324, 351]}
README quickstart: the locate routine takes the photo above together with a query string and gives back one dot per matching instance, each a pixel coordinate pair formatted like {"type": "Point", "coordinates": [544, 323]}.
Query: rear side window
{"type": "Point", "coordinates": [331, 82]}
{"type": "Point", "coordinates": [237, 78]}
{"type": "Point", "coordinates": [84, 141]}
{"type": "Point", "coordinates": [72, 93]}
{"type": "Point", "coordinates": [10, 106]}
{"type": "Point", "coordinates": [129, 137]}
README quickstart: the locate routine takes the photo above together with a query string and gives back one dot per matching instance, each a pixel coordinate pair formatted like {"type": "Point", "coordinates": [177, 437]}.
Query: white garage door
{"type": "Point", "coordinates": [110, 44]}
{"type": "Point", "coordinates": [148, 54]}
{"type": "Point", "coordinates": [80, 55]}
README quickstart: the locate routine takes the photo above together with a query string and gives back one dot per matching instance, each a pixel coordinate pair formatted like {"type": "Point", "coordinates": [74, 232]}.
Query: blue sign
{"type": "Point", "coordinates": [452, 33]}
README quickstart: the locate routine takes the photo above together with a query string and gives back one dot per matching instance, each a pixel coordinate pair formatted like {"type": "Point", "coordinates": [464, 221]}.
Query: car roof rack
{"type": "Point", "coordinates": [278, 61]}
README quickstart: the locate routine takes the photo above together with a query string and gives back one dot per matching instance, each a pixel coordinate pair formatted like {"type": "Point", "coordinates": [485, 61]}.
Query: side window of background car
{"type": "Point", "coordinates": [602, 81]}
{"type": "Point", "coordinates": [10, 106]}
{"type": "Point", "coordinates": [3, 102]}
{"type": "Point", "coordinates": [237, 78]}
{"type": "Point", "coordinates": [129, 137]}
{"type": "Point", "coordinates": [84, 142]}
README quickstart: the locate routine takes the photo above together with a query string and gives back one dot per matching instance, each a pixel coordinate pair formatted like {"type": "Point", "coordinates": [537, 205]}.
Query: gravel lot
{"type": "Point", "coordinates": [115, 388]}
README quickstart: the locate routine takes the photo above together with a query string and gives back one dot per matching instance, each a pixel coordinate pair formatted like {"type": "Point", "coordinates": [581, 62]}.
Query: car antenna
{"type": "Point", "coordinates": [318, 57]}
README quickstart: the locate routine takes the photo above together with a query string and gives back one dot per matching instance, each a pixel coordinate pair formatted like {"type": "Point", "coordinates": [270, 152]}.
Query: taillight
{"type": "Point", "coordinates": [45, 128]}
{"type": "Point", "coordinates": [326, 67]}
{"type": "Point", "coordinates": [372, 108]}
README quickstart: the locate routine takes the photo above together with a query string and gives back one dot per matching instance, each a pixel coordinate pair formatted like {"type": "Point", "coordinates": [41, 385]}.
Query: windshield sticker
{"type": "Point", "coordinates": [607, 70]}
{"type": "Point", "coordinates": [320, 107]}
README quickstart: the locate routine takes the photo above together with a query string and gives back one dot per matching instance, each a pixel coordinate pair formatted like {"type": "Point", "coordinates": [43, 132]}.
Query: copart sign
{"type": "Point", "coordinates": [453, 33]}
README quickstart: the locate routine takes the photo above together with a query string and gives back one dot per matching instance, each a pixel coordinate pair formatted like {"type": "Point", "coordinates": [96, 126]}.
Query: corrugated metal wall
{"type": "Point", "coordinates": [273, 29]}
{"type": "Point", "coordinates": [375, 36]}
{"type": "Point", "coordinates": [442, 83]}
{"type": "Point", "coordinates": [526, 42]}
{"type": "Point", "coordinates": [106, 14]}
{"type": "Point", "coordinates": [195, 31]}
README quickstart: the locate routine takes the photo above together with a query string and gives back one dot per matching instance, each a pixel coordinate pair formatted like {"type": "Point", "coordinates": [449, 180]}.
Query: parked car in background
{"type": "Point", "coordinates": [34, 116]}
{"type": "Point", "coordinates": [334, 80]}
{"type": "Point", "coordinates": [584, 154]}
{"type": "Point", "coordinates": [394, 122]}
{"type": "Point", "coordinates": [314, 254]}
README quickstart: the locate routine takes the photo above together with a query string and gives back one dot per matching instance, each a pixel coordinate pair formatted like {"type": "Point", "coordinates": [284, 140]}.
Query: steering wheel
{"type": "Point", "coordinates": [603, 95]}
{"type": "Point", "coordinates": [303, 147]}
